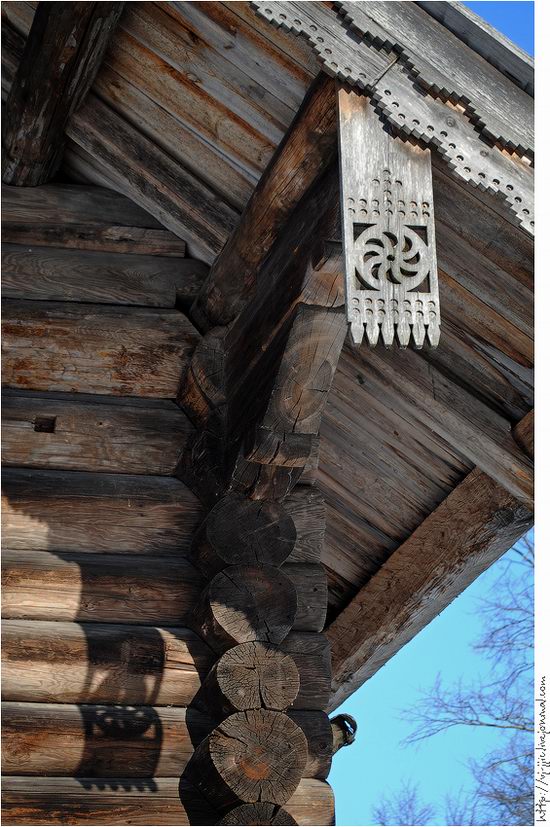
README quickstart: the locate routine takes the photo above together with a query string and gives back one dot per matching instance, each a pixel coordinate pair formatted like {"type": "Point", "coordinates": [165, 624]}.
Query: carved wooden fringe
{"type": "Point", "coordinates": [388, 230]}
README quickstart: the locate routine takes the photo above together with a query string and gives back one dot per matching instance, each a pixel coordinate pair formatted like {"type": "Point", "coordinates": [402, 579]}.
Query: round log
{"type": "Point", "coordinates": [250, 676]}
{"type": "Point", "coordinates": [245, 603]}
{"type": "Point", "coordinates": [252, 756]}
{"type": "Point", "coordinates": [241, 531]}
{"type": "Point", "coordinates": [259, 813]}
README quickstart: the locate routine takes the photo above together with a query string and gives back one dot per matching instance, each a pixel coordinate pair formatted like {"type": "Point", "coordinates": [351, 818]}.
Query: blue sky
{"type": "Point", "coordinates": [377, 764]}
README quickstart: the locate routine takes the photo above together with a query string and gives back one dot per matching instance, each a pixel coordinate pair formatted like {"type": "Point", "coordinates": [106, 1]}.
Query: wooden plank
{"type": "Point", "coordinates": [89, 436]}
{"type": "Point", "coordinates": [387, 218]}
{"type": "Point", "coordinates": [90, 348]}
{"type": "Point", "coordinates": [470, 427]}
{"type": "Point", "coordinates": [134, 802]}
{"type": "Point", "coordinates": [306, 150]}
{"type": "Point", "coordinates": [234, 182]}
{"type": "Point", "coordinates": [106, 741]}
{"type": "Point", "coordinates": [99, 741]}
{"type": "Point", "coordinates": [98, 588]}
{"type": "Point", "coordinates": [108, 239]}
{"type": "Point", "coordinates": [271, 68]}
{"type": "Point", "coordinates": [488, 42]}
{"type": "Point", "coordinates": [63, 52]}
{"type": "Point", "coordinates": [80, 512]}
{"type": "Point", "coordinates": [474, 525]}
{"type": "Point", "coordinates": [223, 87]}
{"type": "Point", "coordinates": [57, 274]}
{"type": "Point", "coordinates": [144, 172]}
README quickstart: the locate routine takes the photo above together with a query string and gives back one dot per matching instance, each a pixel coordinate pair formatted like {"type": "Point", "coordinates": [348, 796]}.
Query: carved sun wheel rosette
{"type": "Point", "coordinates": [388, 227]}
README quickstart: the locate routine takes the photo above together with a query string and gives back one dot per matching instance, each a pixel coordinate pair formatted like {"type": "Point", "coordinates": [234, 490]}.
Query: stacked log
{"type": "Point", "coordinates": [257, 612]}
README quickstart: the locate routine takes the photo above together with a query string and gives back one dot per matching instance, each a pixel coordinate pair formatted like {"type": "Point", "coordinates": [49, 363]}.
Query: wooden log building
{"type": "Point", "coordinates": [223, 514]}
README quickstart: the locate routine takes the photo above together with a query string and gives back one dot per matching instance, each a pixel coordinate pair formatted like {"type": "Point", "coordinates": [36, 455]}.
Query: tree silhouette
{"type": "Point", "coordinates": [503, 786]}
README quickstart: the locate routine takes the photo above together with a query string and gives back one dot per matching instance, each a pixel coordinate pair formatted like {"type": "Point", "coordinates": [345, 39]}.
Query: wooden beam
{"type": "Point", "coordinates": [74, 511]}
{"type": "Point", "coordinates": [60, 274]}
{"type": "Point", "coordinates": [100, 588]}
{"type": "Point", "coordinates": [306, 150]}
{"type": "Point", "coordinates": [472, 527]}
{"type": "Point", "coordinates": [98, 349]}
{"type": "Point", "coordinates": [132, 801]}
{"type": "Point", "coordinates": [86, 434]}
{"type": "Point", "coordinates": [109, 741]}
{"type": "Point", "coordinates": [62, 54]}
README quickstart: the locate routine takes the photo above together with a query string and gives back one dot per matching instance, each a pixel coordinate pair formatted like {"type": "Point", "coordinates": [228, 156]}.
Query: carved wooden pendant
{"type": "Point", "coordinates": [388, 230]}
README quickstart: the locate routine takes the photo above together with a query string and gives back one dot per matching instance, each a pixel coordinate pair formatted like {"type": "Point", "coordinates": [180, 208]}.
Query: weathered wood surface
{"type": "Point", "coordinates": [245, 603]}
{"type": "Point", "coordinates": [104, 741]}
{"type": "Point", "coordinates": [61, 662]}
{"type": "Point", "coordinates": [179, 200]}
{"type": "Point", "coordinates": [88, 348]}
{"type": "Point", "coordinates": [45, 800]}
{"type": "Point", "coordinates": [62, 54]}
{"type": "Point", "coordinates": [450, 70]}
{"type": "Point", "coordinates": [258, 755]}
{"type": "Point", "coordinates": [259, 813]}
{"type": "Point", "coordinates": [77, 511]}
{"type": "Point", "coordinates": [488, 42]}
{"type": "Point", "coordinates": [252, 675]}
{"type": "Point", "coordinates": [311, 653]}
{"type": "Point", "coordinates": [388, 230]}
{"type": "Point", "coordinates": [59, 274]}
{"type": "Point", "coordinates": [460, 418]}
{"type": "Point", "coordinates": [241, 531]}
{"type": "Point", "coordinates": [66, 433]}
{"type": "Point", "coordinates": [95, 588]}
{"type": "Point", "coordinates": [69, 205]}
{"type": "Point", "coordinates": [83, 217]}
{"type": "Point", "coordinates": [103, 588]}
{"type": "Point", "coordinates": [477, 523]}
{"type": "Point", "coordinates": [100, 741]}
{"type": "Point", "coordinates": [74, 511]}
{"type": "Point", "coordinates": [100, 663]}
{"type": "Point", "coordinates": [307, 149]}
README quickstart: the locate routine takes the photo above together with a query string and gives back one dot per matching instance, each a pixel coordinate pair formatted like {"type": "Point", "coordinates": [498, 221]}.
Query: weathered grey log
{"type": "Point", "coordinates": [258, 755]}
{"type": "Point", "coordinates": [62, 54]}
{"type": "Point", "coordinates": [242, 531]}
{"type": "Point", "coordinates": [245, 603]}
{"type": "Point", "coordinates": [111, 663]}
{"type": "Point", "coordinates": [104, 740]}
{"type": "Point", "coordinates": [249, 676]}
{"type": "Point", "coordinates": [99, 588]}
{"type": "Point", "coordinates": [84, 433]}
